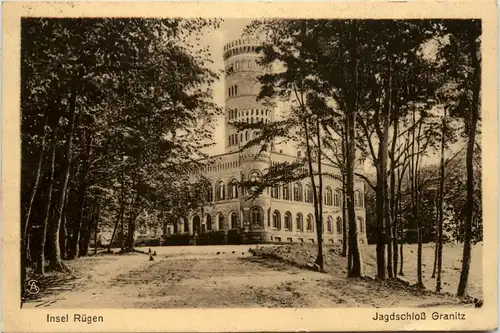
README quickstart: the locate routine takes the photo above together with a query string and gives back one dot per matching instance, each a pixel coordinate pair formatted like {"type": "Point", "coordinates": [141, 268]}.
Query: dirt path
{"type": "Point", "coordinates": [198, 277]}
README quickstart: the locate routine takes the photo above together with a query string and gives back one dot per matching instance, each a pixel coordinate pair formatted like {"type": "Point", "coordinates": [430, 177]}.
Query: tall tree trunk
{"type": "Point", "coordinates": [436, 244]}
{"type": "Point", "coordinates": [418, 196]}
{"type": "Point", "coordinates": [350, 109]}
{"type": "Point", "coordinates": [401, 253]}
{"type": "Point", "coordinates": [96, 227]}
{"type": "Point", "coordinates": [79, 226]}
{"type": "Point", "coordinates": [62, 238]}
{"type": "Point", "coordinates": [393, 201]}
{"type": "Point", "coordinates": [436, 236]}
{"type": "Point", "coordinates": [122, 206]}
{"type": "Point", "coordinates": [74, 240]}
{"type": "Point", "coordinates": [63, 233]}
{"type": "Point", "coordinates": [26, 227]}
{"type": "Point", "coordinates": [441, 207]}
{"type": "Point", "coordinates": [84, 240]}
{"type": "Point", "coordinates": [386, 237]}
{"type": "Point", "coordinates": [344, 191]}
{"type": "Point", "coordinates": [353, 251]}
{"type": "Point", "coordinates": [115, 229]}
{"type": "Point", "coordinates": [319, 223]}
{"type": "Point", "coordinates": [388, 232]}
{"type": "Point", "coordinates": [318, 217]}
{"type": "Point", "coordinates": [401, 225]}
{"type": "Point", "coordinates": [55, 261]}
{"type": "Point", "coordinates": [34, 190]}
{"type": "Point", "coordinates": [129, 245]}
{"type": "Point", "coordinates": [469, 207]}
{"type": "Point", "coordinates": [40, 269]}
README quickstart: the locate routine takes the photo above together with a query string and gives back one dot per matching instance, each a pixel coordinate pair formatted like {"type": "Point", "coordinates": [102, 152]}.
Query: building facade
{"type": "Point", "coordinates": [280, 214]}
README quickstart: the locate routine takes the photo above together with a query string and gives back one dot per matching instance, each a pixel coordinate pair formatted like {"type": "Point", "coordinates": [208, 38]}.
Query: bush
{"type": "Point", "coordinates": [211, 238]}
{"type": "Point", "coordinates": [234, 236]}
{"type": "Point", "coordinates": [181, 239]}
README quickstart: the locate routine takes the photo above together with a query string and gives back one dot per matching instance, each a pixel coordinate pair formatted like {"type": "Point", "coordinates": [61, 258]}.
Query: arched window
{"type": "Point", "coordinates": [237, 65]}
{"type": "Point", "coordinates": [286, 192]}
{"type": "Point", "coordinates": [309, 194]}
{"type": "Point", "coordinates": [358, 199]}
{"type": "Point", "coordinates": [297, 192]}
{"type": "Point", "coordinates": [310, 223]}
{"type": "Point", "coordinates": [254, 176]}
{"type": "Point", "coordinates": [220, 221]}
{"type": "Point", "coordinates": [300, 222]}
{"type": "Point", "coordinates": [186, 225]}
{"type": "Point", "coordinates": [276, 220]}
{"type": "Point", "coordinates": [256, 215]}
{"type": "Point", "coordinates": [249, 63]}
{"type": "Point", "coordinates": [339, 225]}
{"type": "Point", "coordinates": [336, 198]}
{"type": "Point", "coordinates": [196, 223]}
{"type": "Point", "coordinates": [288, 221]}
{"type": "Point", "coordinates": [233, 189]}
{"type": "Point", "coordinates": [361, 226]}
{"type": "Point", "coordinates": [328, 196]}
{"type": "Point", "coordinates": [234, 220]}
{"type": "Point", "coordinates": [209, 222]}
{"type": "Point", "coordinates": [210, 195]}
{"type": "Point", "coordinates": [236, 90]}
{"type": "Point", "coordinates": [246, 136]}
{"type": "Point", "coordinates": [221, 191]}
{"type": "Point", "coordinates": [275, 192]}
{"type": "Point", "coordinates": [329, 224]}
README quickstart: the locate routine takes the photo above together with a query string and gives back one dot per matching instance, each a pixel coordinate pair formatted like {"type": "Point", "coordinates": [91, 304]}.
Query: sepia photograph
{"type": "Point", "coordinates": [260, 162]}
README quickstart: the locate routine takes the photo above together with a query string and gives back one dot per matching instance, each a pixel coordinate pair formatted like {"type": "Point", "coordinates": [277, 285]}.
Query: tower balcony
{"type": "Point", "coordinates": [241, 46]}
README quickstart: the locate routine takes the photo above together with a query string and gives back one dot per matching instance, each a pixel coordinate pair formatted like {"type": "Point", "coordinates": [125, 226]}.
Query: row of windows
{"type": "Point", "coordinates": [233, 138]}
{"type": "Point", "coordinates": [236, 43]}
{"type": "Point", "coordinates": [256, 120]}
{"type": "Point", "coordinates": [239, 50]}
{"type": "Point", "coordinates": [242, 65]}
{"type": "Point", "coordinates": [235, 113]}
{"type": "Point", "coordinates": [222, 166]}
{"type": "Point", "coordinates": [274, 221]}
{"type": "Point", "coordinates": [283, 192]}
{"type": "Point", "coordinates": [330, 198]}
{"type": "Point", "coordinates": [233, 91]}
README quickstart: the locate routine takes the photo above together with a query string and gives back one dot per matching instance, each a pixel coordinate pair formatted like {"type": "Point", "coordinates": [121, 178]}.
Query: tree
{"type": "Point", "coordinates": [99, 98]}
{"type": "Point", "coordinates": [463, 69]}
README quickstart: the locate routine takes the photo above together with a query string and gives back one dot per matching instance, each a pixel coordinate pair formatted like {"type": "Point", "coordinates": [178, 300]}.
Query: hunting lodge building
{"type": "Point", "coordinates": [280, 214]}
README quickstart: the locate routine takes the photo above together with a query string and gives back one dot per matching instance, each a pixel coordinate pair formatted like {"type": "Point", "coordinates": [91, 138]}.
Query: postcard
{"type": "Point", "coordinates": [224, 167]}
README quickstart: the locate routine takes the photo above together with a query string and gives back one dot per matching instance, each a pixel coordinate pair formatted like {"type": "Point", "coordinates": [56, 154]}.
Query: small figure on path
{"type": "Point", "coordinates": [151, 258]}
{"type": "Point", "coordinates": [154, 253]}
{"type": "Point", "coordinates": [149, 250]}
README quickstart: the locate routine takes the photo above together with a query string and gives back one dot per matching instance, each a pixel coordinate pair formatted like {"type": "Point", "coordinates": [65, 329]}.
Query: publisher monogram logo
{"type": "Point", "coordinates": [33, 287]}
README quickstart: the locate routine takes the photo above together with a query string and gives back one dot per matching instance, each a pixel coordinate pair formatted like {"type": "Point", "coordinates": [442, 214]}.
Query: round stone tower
{"type": "Point", "coordinates": [242, 88]}
{"type": "Point", "coordinates": [241, 105]}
